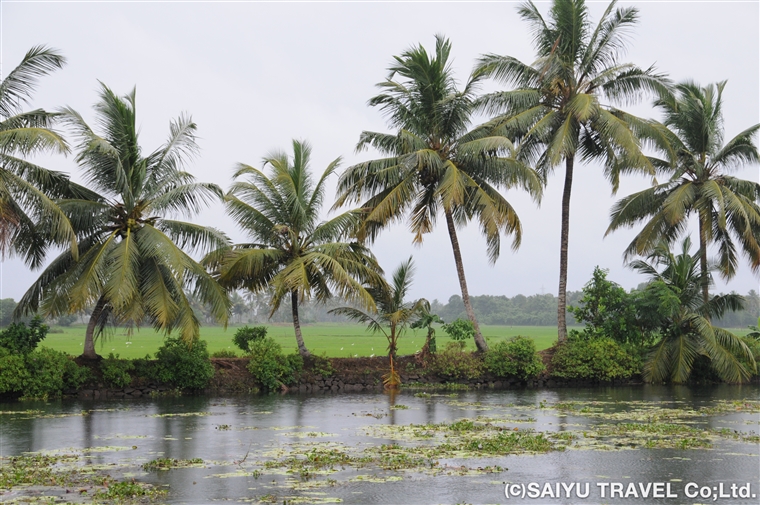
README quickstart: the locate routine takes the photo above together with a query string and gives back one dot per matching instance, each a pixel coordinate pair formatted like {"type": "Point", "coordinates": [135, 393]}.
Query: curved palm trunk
{"type": "Point", "coordinates": [480, 342]}
{"type": "Point", "coordinates": [302, 350]}
{"type": "Point", "coordinates": [89, 337]}
{"type": "Point", "coordinates": [563, 240]}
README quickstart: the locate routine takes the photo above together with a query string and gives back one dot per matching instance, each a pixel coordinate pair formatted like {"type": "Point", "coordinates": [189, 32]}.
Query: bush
{"type": "Point", "coordinates": [455, 363]}
{"type": "Point", "coordinates": [184, 365]}
{"type": "Point", "coordinates": [13, 371]}
{"type": "Point", "coordinates": [459, 330]}
{"type": "Point", "coordinates": [23, 339]}
{"type": "Point", "coordinates": [40, 374]}
{"type": "Point", "coordinates": [145, 368]}
{"type": "Point", "coordinates": [515, 357]}
{"type": "Point", "coordinates": [50, 372]}
{"type": "Point", "coordinates": [224, 353]}
{"type": "Point", "coordinates": [246, 335]}
{"type": "Point", "coordinates": [270, 367]}
{"type": "Point", "coordinates": [321, 365]}
{"type": "Point", "coordinates": [601, 359]}
{"type": "Point", "coordinates": [116, 371]}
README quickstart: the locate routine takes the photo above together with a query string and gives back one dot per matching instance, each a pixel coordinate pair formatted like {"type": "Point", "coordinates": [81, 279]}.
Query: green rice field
{"type": "Point", "coordinates": [335, 340]}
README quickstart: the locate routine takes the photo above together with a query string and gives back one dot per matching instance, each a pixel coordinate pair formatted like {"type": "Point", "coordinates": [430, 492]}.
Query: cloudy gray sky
{"type": "Point", "coordinates": [255, 75]}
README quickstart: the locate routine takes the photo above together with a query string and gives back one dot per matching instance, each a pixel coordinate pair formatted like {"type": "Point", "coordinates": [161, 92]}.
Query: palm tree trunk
{"type": "Point", "coordinates": [302, 350]}
{"type": "Point", "coordinates": [480, 342]}
{"type": "Point", "coordinates": [563, 240]}
{"type": "Point", "coordinates": [89, 337]}
{"type": "Point", "coordinates": [703, 261]}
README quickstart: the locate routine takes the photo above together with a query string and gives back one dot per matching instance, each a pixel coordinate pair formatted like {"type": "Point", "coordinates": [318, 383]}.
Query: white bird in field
{"type": "Point", "coordinates": [341, 348]}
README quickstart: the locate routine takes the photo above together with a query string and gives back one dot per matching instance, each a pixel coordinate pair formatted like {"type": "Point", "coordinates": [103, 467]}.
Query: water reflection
{"type": "Point", "coordinates": [222, 431]}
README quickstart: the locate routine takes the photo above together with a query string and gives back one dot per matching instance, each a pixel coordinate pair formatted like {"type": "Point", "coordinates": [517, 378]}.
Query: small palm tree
{"type": "Point", "coordinates": [698, 164]}
{"type": "Point", "coordinates": [293, 252]}
{"type": "Point", "coordinates": [392, 313]}
{"type": "Point", "coordinates": [132, 267]}
{"type": "Point", "coordinates": [434, 165]}
{"type": "Point", "coordinates": [685, 326]}
{"type": "Point", "coordinates": [557, 110]}
{"type": "Point", "coordinates": [29, 217]}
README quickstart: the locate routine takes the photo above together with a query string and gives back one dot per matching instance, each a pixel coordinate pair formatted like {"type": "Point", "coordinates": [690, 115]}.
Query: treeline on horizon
{"type": "Point", "coordinates": [519, 310]}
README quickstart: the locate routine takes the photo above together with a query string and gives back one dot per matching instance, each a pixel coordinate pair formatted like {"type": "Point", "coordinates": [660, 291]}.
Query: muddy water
{"type": "Point", "coordinates": [668, 442]}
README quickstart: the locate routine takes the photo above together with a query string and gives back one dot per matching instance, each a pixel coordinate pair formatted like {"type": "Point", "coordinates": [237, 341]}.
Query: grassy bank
{"type": "Point", "coordinates": [336, 340]}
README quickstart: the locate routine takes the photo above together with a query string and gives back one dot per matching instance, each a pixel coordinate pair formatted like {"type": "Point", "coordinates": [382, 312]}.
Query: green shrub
{"type": "Point", "coordinates": [270, 367]}
{"type": "Point", "coordinates": [601, 359]}
{"type": "Point", "coordinates": [515, 357]}
{"type": "Point", "coordinates": [224, 353]}
{"type": "Point", "coordinates": [145, 368]}
{"type": "Point", "coordinates": [321, 365]}
{"type": "Point", "coordinates": [47, 370]}
{"type": "Point", "coordinates": [40, 374]}
{"type": "Point", "coordinates": [248, 334]}
{"type": "Point", "coordinates": [455, 363]}
{"type": "Point", "coordinates": [13, 371]}
{"type": "Point", "coordinates": [183, 365]}
{"type": "Point", "coordinates": [116, 371]}
{"type": "Point", "coordinates": [459, 330]}
{"type": "Point", "coordinates": [75, 376]}
{"type": "Point", "coordinates": [23, 339]}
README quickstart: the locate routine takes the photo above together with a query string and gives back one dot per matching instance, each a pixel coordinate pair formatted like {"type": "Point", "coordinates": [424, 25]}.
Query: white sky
{"type": "Point", "coordinates": [256, 75]}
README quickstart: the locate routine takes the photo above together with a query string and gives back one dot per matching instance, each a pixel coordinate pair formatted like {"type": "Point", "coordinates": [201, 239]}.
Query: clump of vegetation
{"type": "Point", "coordinates": [608, 311]}
{"type": "Point", "coordinates": [22, 339]}
{"type": "Point", "coordinates": [598, 359]}
{"type": "Point", "coordinates": [116, 371]}
{"type": "Point", "coordinates": [39, 374]}
{"type": "Point", "coordinates": [270, 367]}
{"type": "Point", "coordinates": [515, 357]}
{"type": "Point", "coordinates": [224, 353]}
{"type": "Point", "coordinates": [460, 330]}
{"type": "Point", "coordinates": [322, 366]}
{"type": "Point", "coordinates": [455, 363]}
{"type": "Point", "coordinates": [169, 463]}
{"type": "Point", "coordinates": [247, 334]}
{"type": "Point", "coordinates": [184, 365]}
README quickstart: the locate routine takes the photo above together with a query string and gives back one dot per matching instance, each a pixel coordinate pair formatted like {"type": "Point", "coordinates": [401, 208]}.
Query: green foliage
{"type": "Point", "coordinates": [23, 339]}
{"type": "Point", "coordinates": [610, 312]}
{"type": "Point", "coordinates": [515, 357]}
{"type": "Point", "coordinates": [146, 368]}
{"type": "Point", "coordinates": [321, 365]}
{"type": "Point", "coordinates": [7, 306]}
{"type": "Point", "coordinates": [247, 334]}
{"type": "Point", "coordinates": [224, 353]}
{"type": "Point", "coordinates": [426, 321]}
{"type": "Point", "coordinates": [13, 371]}
{"type": "Point", "coordinates": [598, 359]}
{"type": "Point", "coordinates": [270, 367]}
{"type": "Point", "coordinates": [50, 373]}
{"type": "Point", "coordinates": [182, 365]}
{"type": "Point", "coordinates": [455, 363]}
{"type": "Point", "coordinates": [116, 371]}
{"type": "Point", "coordinates": [40, 374]}
{"type": "Point", "coordinates": [460, 330]}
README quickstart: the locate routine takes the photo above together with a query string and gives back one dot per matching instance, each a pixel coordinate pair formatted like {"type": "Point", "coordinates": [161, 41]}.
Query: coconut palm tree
{"type": "Point", "coordinates": [132, 265]}
{"type": "Point", "coordinates": [433, 165]}
{"type": "Point", "coordinates": [685, 327]}
{"type": "Point", "coordinates": [293, 252]}
{"type": "Point", "coordinates": [29, 217]}
{"type": "Point", "coordinates": [392, 312]}
{"type": "Point", "coordinates": [558, 108]}
{"type": "Point", "coordinates": [698, 164]}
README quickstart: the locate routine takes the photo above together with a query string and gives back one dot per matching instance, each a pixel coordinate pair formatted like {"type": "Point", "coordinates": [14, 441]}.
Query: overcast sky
{"type": "Point", "coordinates": [256, 75]}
